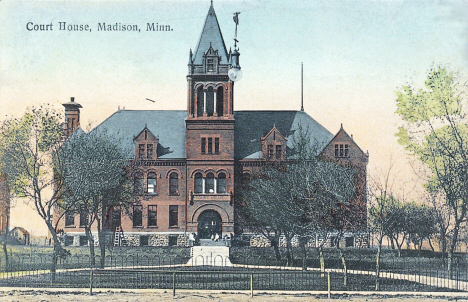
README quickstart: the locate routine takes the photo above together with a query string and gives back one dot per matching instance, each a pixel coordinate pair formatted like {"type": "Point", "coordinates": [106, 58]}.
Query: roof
{"type": "Point", "coordinates": [210, 36]}
{"type": "Point", "coordinates": [167, 125]}
{"type": "Point", "coordinates": [251, 126]}
{"type": "Point", "coordinates": [21, 229]}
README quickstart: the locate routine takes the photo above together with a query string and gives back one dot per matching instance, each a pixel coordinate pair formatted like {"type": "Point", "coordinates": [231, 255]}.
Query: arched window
{"type": "Point", "coordinates": [151, 183]}
{"type": "Point", "coordinates": [221, 185]}
{"type": "Point", "coordinates": [173, 184]}
{"type": "Point", "coordinates": [245, 178]}
{"type": "Point", "coordinates": [219, 101]}
{"type": "Point", "coordinates": [209, 101]}
{"type": "Point", "coordinates": [209, 184]}
{"type": "Point", "coordinates": [200, 101]}
{"type": "Point", "coordinates": [198, 183]}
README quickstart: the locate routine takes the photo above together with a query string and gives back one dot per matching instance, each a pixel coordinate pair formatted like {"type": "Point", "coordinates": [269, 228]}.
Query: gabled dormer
{"type": "Point", "coordinates": [343, 148]}
{"type": "Point", "coordinates": [274, 145]}
{"type": "Point", "coordinates": [211, 61]}
{"type": "Point", "coordinates": [146, 145]}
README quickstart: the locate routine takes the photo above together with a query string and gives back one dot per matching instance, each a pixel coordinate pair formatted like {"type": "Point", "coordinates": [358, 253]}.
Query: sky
{"type": "Point", "coordinates": [356, 54]}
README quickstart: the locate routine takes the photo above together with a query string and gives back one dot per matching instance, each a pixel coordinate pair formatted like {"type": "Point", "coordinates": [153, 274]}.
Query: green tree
{"type": "Point", "coordinates": [96, 180]}
{"type": "Point", "coordinates": [30, 158]}
{"type": "Point", "coordinates": [435, 131]}
{"type": "Point", "coordinates": [422, 224]}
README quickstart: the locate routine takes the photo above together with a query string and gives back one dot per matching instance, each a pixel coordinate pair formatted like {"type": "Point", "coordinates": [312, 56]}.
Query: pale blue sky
{"type": "Point", "coordinates": [355, 54]}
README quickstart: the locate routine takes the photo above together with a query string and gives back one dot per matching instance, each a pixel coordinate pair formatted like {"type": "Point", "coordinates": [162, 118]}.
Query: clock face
{"type": "Point", "coordinates": [235, 74]}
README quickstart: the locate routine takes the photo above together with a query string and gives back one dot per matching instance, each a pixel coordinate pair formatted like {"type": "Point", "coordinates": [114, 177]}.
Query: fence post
{"type": "Point", "coordinates": [173, 284]}
{"type": "Point", "coordinates": [251, 285]}
{"type": "Point", "coordinates": [329, 285]}
{"type": "Point", "coordinates": [91, 275]}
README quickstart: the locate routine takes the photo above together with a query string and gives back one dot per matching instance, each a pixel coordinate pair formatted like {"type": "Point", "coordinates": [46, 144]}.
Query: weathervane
{"type": "Point", "coordinates": [235, 73]}
{"type": "Point", "coordinates": [236, 20]}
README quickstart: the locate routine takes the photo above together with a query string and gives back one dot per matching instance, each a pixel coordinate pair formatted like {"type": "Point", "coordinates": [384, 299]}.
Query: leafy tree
{"type": "Point", "coordinates": [436, 132]}
{"type": "Point", "coordinates": [96, 180]}
{"type": "Point", "coordinates": [421, 220]}
{"type": "Point", "coordinates": [30, 158]}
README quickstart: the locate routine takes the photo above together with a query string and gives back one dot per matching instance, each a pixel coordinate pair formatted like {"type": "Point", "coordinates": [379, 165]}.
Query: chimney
{"type": "Point", "coordinates": [72, 117]}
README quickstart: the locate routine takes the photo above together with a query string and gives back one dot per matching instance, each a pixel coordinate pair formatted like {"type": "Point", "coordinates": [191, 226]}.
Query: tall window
{"type": "Point", "coordinates": [278, 151]}
{"type": "Point", "coordinates": [203, 145]}
{"type": "Point", "coordinates": [221, 186]}
{"type": "Point", "coordinates": [200, 100]}
{"type": "Point", "coordinates": [337, 152]}
{"type": "Point", "coordinates": [219, 101]}
{"type": "Point", "coordinates": [173, 216]}
{"type": "Point", "coordinates": [210, 145]}
{"type": "Point", "coordinates": [83, 218]}
{"type": "Point", "coordinates": [152, 216]}
{"type": "Point", "coordinates": [270, 151]}
{"type": "Point", "coordinates": [149, 151]}
{"type": "Point", "coordinates": [216, 145]}
{"type": "Point", "coordinates": [137, 215]}
{"type": "Point", "coordinates": [116, 217]}
{"type": "Point", "coordinates": [346, 150]}
{"type": "Point", "coordinates": [173, 184]}
{"type": "Point", "coordinates": [198, 183]}
{"type": "Point", "coordinates": [209, 183]}
{"type": "Point", "coordinates": [69, 219]}
{"type": "Point", "coordinates": [210, 65]}
{"type": "Point", "coordinates": [141, 151]}
{"type": "Point", "coordinates": [151, 183]}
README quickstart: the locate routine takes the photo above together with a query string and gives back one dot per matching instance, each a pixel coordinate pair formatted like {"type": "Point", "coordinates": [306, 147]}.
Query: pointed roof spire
{"type": "Point", "coordinates": [210, 36]}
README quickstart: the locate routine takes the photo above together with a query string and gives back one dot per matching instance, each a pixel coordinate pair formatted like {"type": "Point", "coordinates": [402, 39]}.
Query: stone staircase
{"type": "Point", "coordinates": [209, 255]}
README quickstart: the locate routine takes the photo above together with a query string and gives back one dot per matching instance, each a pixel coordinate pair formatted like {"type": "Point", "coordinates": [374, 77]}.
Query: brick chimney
{"type": "Point", "coordinates": [72, 117]}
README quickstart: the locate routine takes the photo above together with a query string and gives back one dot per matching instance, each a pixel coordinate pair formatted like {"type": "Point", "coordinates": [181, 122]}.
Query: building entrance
{"type": "Point", "coordinates": [209, 223]}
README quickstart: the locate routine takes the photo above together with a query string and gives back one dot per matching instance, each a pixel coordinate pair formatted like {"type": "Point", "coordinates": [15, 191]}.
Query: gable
{"type": "Point", "coordinates": [343, 147]}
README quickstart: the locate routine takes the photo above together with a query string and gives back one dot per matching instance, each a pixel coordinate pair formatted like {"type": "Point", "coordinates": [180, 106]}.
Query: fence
{"type": "Point", "coordinates": [245, 273]}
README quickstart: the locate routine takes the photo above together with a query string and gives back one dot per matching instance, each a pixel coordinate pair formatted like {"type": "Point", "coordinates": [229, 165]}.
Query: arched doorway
{"type": "Point", "coordinates": [209, 223]}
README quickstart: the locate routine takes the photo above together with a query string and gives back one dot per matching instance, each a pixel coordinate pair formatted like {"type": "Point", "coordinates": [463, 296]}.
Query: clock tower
{"type": "Point", "coordinates": [210, 133]}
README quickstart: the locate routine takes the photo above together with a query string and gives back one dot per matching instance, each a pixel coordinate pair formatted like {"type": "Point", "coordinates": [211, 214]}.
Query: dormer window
{"type": "Point", "coordinates": [273, 145]}
{"type": "Point", "coordinates": [210, 65]}
{"type": "Point", "coordinates": [341, 150]}
{"type": "Point", "coordinates": [145, 145]}
{"type": "Point", "coordinates": [141, 151]}
{"type": "Point", "coordinates": [149, 151]}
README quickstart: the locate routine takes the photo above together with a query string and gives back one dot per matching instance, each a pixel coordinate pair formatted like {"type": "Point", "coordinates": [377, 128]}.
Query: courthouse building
{"type": "Point", "coordinates": [191, 160]}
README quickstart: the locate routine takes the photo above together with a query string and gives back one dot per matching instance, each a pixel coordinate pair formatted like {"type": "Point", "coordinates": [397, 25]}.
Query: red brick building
{"type": "Point", "coordinates": [191, 160]}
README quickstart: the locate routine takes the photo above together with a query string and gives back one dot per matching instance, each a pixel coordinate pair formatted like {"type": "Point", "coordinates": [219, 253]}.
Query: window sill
{"type": "Point", "coordinates": [174, 227]}
{"type": "Point", "coordinates": [153, 227]}
{"type": "Point", "coordinates": [70, 227]}
{"type": "Point", "coordinates": [211, 194]}
{"type": "Point", "coordinates": [138, 227]}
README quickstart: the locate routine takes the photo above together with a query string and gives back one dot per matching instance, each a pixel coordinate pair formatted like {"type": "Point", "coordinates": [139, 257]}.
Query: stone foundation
{"type": "Point", "coordinates": [182, 240]}
{"type": "Point", "coordinates": [259, 241]}
{"type": "Point", "coordinates": [131, 240]}
{"type": "Point", "coordinates": [158, 240]}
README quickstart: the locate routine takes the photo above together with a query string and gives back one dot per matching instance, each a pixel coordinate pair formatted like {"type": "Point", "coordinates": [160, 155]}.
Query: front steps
{"type": "Point", "coordinates": [214, 255]}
